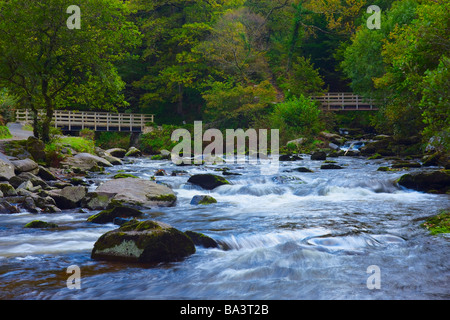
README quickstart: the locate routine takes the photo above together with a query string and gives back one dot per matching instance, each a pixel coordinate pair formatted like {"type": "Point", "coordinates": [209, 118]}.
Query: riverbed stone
{"type": "Point", "coordinates": [25, 165]}
{"type": "Point", "coordinates": [97, 200]}
{"type": "Point", "coordinates": [208, 181]}
{"type": "Point", "coordinates": [133, 152]}
{"type": "Point", "coordinates": [46, 174]}
{"type": "Point", "coordinates": [428, 181]}
{"type": "Point", "coordinates": [138, 192]}
{"type": "Point", "coordinates": [108, 215]}
{"type": "Point", "coordinates": [202, 200]}
{"type": "Point", "coordinates": [69, 197]}
{"type": "Point", "coordinates": [330, 166]}
{"type": "Point", "coordinates": [38, 224]}
{"type": "Point", "coordinates": [144, 242]}
{"type": "Point", "coordinates": [86, 161]}
{"type": "Point", "coordinates": [117, 152]}
{"type": "Point", "coordinates": [319, 155]}
{"type": "Point", "coordinates": [8, 190]}
{"type": "Point", "coordinates": [202, 240]}
{"type": "Point", "coordinates": [6, 170]}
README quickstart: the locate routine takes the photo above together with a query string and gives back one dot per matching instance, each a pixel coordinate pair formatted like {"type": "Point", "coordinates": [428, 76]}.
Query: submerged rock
{"type": "Point", "coordinates": [203, 200]}
{"type": "Point", "coordinates": [40, 225]}
{"type": "Point", "coordinates": [208, 181]}
{"type": "Point", "coordinates": [147, 241]}
{"type": "Point", "coordinates": [200, 239]}
{"type": "Point", "coordinates": [330, 166]}
{"type": "Point", "coordinates": [107, 216]}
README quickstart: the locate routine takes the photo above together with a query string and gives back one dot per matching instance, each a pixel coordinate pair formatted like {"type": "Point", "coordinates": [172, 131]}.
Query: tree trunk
{"type": "Point", "coordinates": [294, 37]}
{"type": "Point", "coordinates": [49, 113]}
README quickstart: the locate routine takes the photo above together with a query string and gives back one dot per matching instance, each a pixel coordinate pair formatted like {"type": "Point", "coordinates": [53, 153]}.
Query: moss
{"type": "Point", "coordinates": [4, 133]}
{"type": "Point", "coordinates": [439, 223]}
{"type": "Point", "coordinates": [157, 157]}
{"type": "Point", "coordinates": [375, 156]}
{"type": "Point", "coordinates": [136, 225]}
{"type": "Point", "coordinates": [207, 200]}
{"type": "Point", "coordinates": [40, 224]}
{"type": "Point", "coordinates": [124, 175]}
{"type": "Point", "coordinates": [108, 215]}
{"type": "Point", "coordinates": [164, 197]}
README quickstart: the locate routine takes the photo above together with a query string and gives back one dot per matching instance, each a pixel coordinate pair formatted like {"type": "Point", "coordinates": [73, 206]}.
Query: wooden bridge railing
{"type": "Point", "coordinates": [97, 121]}
{"type": "Point", "coordinates": [345, 101]}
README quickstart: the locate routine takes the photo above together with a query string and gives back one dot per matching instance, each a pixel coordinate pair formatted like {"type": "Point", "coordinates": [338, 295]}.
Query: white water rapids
{"type": "Point", "coordinates": [290, 235]}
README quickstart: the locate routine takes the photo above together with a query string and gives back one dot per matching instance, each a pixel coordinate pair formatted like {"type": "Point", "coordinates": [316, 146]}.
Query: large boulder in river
{"type": "Point", "coordinates": [431, 181]}
{"type": "Point", "coordinates": [86, 161]}
{"type": "Point", "coordinates": [138, 192]}
{"type": "Point", "coordinates": [69, 197]}
{"type": "Point", "coordinates": [208, 181]}
{"type": "Point", "coordinates": [144, 242]}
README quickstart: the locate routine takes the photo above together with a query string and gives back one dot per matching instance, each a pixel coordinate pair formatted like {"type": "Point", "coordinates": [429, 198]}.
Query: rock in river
{"type": "Point", "coordinates": [138, 192]}
{"type": "Point", "coordinates": [207, 181]}
{"type": "Point", "coordinates": [431, 181]}
{"type": "Point", "coordinates": [143, 241]}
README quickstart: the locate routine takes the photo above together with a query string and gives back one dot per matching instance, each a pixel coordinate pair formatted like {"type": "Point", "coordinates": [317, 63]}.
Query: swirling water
{"type": "Point", "coordinates": [289, 236]}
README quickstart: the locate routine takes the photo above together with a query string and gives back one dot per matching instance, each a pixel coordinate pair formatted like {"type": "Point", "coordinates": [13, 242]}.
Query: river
{"type": "Point", "coordinates": [290, 235]}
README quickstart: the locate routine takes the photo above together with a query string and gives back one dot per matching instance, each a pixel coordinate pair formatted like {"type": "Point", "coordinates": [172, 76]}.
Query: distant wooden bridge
{"type": "Point", "coordinates": [97, 121]}
{"type": "Point", "coordinates": [345, 101]}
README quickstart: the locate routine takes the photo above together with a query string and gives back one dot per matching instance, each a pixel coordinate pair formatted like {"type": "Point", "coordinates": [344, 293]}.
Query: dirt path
{"type": "Point", "coordinates": [17, 132]}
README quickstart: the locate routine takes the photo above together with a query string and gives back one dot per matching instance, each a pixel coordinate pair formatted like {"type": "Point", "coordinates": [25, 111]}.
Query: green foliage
{"type": "Point", "coordinates": [157, 140]}
{"type": "Point", "coordinates": [54, 148]}
{"type": "Point", "coordinates": [109, 140]}
{"type": "Point", "coordinates": [237, 105]}
{"type": "Point", "coordinates": [297, 117]}
{"type": "Point", "coordinates": [87, 134]}
{"type": "Point", "coordinates": [4, 133]}
{"type": "Point", "coordinates": [7, 106]}
{"type": "Point", "coordinates": [49, 66]}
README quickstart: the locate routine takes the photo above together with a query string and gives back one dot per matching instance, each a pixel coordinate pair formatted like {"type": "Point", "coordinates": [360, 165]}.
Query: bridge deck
{"type": "Point", "coordinates": [97, 121]}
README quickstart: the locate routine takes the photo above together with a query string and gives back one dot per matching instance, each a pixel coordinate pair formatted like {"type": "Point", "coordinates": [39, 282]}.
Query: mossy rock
{"type": "Point", "coordinates": [208, 181]}
{"type": "Point", "coordinates": [203, 200]}
{"type": "Point", "coordinates": [124, 175]}
{"type": "Point", "coordinates": [38, 224]}
{"type": "Point", "coordinates": [143, 242]}
{"type": "Point", "coordinates": [200, 239]}
{"type": "Point", "coordinates": [108, 215]}
{"type": "Point", "coordinates": [431, 182]}
{"type": "Point", "coordinates": [330, 166]}
{"type": "Point", "coordinates": [439, 223]}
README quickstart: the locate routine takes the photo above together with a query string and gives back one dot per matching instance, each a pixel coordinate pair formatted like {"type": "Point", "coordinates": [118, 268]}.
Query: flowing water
{"type": "Point", "coordinates": [288, 235]}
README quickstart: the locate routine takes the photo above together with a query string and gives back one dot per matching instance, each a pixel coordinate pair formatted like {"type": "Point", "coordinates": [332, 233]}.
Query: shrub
{"type": "Point", "coordinates": [4, 133]}
{"type": "Point", "coordinates": [296, 117]}
{"type": "Point", "coordinates": [108, 140]}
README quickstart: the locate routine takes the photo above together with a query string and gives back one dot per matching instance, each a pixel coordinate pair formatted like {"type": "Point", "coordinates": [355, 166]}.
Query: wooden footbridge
{"type": "Point", "coordinates": [131, 122]}
{"type": "Point", "coordinates": [345, 101]}
{"type": "Point", "coordinates": [97, 121]}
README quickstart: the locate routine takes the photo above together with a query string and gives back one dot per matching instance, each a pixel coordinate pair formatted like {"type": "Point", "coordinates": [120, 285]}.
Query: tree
{"type": "Point", "coordinates": [49, 66]}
